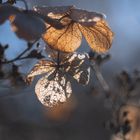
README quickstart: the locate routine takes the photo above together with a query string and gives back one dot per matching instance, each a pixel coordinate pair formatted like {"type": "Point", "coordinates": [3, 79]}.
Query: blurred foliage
{"type": "Point", "coordinates": [14, 75]}
{"type": "Point", "coordinates": [11, 1]}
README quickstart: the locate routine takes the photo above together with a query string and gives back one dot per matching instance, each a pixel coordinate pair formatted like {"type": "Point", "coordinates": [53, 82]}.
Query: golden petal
{"type": "Point", "coordinates": [67, 39]}
{"type": "Point", "coordinates": [54, 91]}
{"type": "Point", "coordinates": [42, 67]}
{"type": "Point", "coordinates": [98, 36]}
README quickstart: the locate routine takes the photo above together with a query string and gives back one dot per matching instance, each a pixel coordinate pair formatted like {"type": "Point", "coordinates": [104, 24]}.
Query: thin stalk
{"type": "Point", "coordinates": [100, 77]}
{"type": "Point", "coordinates": [25, 3]}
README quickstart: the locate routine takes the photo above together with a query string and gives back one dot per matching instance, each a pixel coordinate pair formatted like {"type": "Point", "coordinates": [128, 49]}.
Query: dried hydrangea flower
{"type": "Point", "coordinates": [55, 87]}
{"type": "Point", "coordinates": [77, 22]}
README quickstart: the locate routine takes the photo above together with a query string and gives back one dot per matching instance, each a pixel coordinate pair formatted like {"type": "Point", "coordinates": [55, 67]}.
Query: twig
{"type": "Point", "coordinates": [100, 78]}
{"type": "Point", "coordinates": [19, 57]}
{"type": "Point", "coordinates": [25, 3]}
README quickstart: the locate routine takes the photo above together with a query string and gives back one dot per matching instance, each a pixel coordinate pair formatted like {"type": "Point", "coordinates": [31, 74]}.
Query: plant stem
{"type": "Point", "coordinates": [100, 78]}
{"type": "Point", "coordinates": [19, 57]}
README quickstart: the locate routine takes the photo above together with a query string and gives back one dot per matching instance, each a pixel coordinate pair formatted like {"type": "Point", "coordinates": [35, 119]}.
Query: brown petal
{"type": "Point", "coordinates": [66, 40]}
{"type": "Point", "coordinates": [42, 67]}
{"type": "Point", "coordinates": [55, 12]}
{"type": "Point", "coordinates": [27, 27]}
{"type": "Point", "coordinates": [98, 36]}
{"type": "Point", "coordinates": [5, 11]}
{"type": "Point", "coordinates": [84, 17]}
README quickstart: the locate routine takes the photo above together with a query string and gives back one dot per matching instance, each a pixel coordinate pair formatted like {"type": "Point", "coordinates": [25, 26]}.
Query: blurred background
{"type": "Point", "coordinates": [22, 116]}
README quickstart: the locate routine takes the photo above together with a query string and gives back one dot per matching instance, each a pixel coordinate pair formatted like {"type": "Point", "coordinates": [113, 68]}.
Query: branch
{"type": "Point", "coordinates": [101, 79]}
{"type": "Point", "coordinates": [19, 57]}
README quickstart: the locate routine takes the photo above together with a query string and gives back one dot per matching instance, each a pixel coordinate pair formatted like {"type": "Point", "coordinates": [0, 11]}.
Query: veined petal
{"type": "Point", "coordinates": [98, 36]}
{"type": "Point", "coordinates": [54, 91]}
{"type": "Point", "coordinates": [42, 67]}
{"type": "Point", "coordinates": [67, 39]}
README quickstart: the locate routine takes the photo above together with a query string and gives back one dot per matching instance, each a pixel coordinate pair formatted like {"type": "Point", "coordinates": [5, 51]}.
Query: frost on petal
{"type": "Point", "coordinates": [52, 91]}
{"type": "Point", "coordinates": [85, 18]}
{"type": "Point", "coordinates": [55, 12]}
